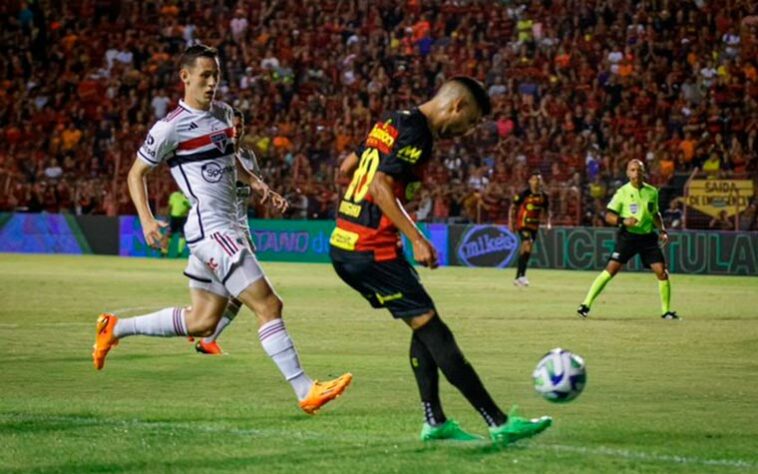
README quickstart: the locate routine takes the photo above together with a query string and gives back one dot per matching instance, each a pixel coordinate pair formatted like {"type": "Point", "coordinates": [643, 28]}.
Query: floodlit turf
{"type": "Point", "coordinates": [662, 396]}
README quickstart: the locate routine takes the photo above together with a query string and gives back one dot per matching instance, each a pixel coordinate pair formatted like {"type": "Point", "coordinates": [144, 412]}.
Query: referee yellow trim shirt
{"type": "Point", "coordinates": [639, 203]}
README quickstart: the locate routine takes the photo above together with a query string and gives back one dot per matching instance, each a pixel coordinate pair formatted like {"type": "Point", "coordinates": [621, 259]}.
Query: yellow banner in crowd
{"type": "Point", "coordinates": [711, 196]}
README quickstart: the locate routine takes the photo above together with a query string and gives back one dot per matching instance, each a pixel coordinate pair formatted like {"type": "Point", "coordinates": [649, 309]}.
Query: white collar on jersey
{"type": "Point", "coordinates": [182, 103]}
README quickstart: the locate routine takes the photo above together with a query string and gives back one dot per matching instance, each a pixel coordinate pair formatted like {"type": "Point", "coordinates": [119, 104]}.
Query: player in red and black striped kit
{"type": "Point", "coordinates": [532, 204]}
{"type": "Point", "coordinates": [366, 251]}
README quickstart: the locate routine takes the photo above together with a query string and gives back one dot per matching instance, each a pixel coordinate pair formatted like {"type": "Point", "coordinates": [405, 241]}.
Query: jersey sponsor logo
{"type": "Point", "coordinates": [350, 209]}
{"type": "Point", "coordinates": [213, 172]}
{"type": "Point", "coordinates": [409, 153]}
{"type": "Point", "coordinates": [344, 239]}
{"type": "Point", "coordinates": [219, 140]}
{"type": "Point", "coordinates": [487, 246]}
{"type": "Point", "coordinates": [147, 147]}
{"type": "Point", "coordinates": [382, 137]}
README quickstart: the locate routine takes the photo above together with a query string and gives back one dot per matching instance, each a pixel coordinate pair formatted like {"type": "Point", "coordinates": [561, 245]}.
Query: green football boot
{"type": "Point", "coordinates": [517, 428]}
{"type": "Point", "coordinates": [449, 430]}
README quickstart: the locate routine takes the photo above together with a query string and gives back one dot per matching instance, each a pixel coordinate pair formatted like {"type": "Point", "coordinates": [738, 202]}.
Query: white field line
{"type": "Point", "coordinates": [352, 439]}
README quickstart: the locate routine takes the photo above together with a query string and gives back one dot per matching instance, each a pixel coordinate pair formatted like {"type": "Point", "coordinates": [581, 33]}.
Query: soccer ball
{"type": "Point", "coordinates": [560, 376]}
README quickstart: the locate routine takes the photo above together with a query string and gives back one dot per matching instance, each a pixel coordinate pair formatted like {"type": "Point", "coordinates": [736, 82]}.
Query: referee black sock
{"type": "Point", "coordinates": [523, 259]}
{"type": "Point", "coordinates": [440, 343]}
{"type": "Point", "coordinates": [428, 380]}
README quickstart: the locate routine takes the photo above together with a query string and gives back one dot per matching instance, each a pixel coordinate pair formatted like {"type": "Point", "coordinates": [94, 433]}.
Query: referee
{"type": "Point", "coordinates": [634, 209]}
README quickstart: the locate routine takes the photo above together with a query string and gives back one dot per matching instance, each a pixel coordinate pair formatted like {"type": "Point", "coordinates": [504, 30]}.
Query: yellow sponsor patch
{"type": "Point", "coordinates": [344, 239]}
{"type": "Point", "coordinates": [411, 154]}
{"type": "Point", "coordinates": [350, 209]}
{"type": "Point", "coordinates": [384, 299]}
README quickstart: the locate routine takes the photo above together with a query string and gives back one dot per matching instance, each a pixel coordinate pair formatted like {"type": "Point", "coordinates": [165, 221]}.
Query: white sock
{"type": "Point", "coordinates": [231, 311]}
{"type": "Point", "coordinates": [278, 345]}
{"type": "Point", "coordinates": [167, 322]}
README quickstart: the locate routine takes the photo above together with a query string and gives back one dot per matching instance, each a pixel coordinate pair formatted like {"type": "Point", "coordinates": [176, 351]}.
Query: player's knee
{"type": "Point", "coordinates": [269, 308]}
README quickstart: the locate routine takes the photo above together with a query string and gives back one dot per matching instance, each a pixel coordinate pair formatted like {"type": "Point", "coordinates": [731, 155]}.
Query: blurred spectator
{"type": "Point", "coordinates": [578, 89]}
{"type": "Point", "coordinates": [722, 222]}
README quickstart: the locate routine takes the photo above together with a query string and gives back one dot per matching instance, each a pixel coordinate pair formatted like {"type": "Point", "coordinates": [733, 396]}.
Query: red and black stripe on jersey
{"type": "Point", "coordinates": [530, 207]}
{"type": "Point", "coordinates": [400, 146]}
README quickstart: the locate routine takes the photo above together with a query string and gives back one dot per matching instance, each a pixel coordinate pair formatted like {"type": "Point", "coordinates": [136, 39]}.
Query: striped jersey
{"type": "Point", "coordinates": [198, 147]}
{"type": "Point", "coordinates": [399, 146]}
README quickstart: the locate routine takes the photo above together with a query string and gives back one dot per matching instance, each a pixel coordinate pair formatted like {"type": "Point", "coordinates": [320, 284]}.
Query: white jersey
{"type": "Point", "coordinates": [198, 146]}
{"type": "Point", "coordinates": [250, 162]}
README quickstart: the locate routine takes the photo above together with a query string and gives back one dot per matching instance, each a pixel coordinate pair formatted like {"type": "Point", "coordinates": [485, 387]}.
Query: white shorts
{"type": "Point", "coordinates": [223, 263]}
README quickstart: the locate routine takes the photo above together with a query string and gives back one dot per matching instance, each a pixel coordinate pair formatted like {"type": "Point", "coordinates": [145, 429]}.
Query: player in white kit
{"type": "Point", "coordinates": [196, 141]}
{"type": "Point", "coordinates": [208, 345]}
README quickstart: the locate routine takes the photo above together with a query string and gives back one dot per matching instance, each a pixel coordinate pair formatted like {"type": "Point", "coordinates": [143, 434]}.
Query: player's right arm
{"type": "Point", "coordinates": [517, 200]}
{"type": "Point", "coordinates": [381, 188]}
{"type": "Point", "coordinates": [151, 227]}
{"type": "Point", "coordinates": [159, 144]}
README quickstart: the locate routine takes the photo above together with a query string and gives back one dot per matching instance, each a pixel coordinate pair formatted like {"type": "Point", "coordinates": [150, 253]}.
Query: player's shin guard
{"type": "Point", "coordinates": [278, 345]}
{"type": "Point", "coordinates": [440, 343]}
{"type": "Point", "coordinates": [664, 289]}
{"type": "Point", "coordinates": [427, 378]}
{"type": "Point", "coordinates": [168, 322]}
{"type": "Point", "coordinates": [231, 312]}
{"type": "Point", "coordinates": [597, 287]}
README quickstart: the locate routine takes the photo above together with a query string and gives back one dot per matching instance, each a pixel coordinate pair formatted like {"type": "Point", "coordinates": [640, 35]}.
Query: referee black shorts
{"type": "Point", "coordinates": [628, 245]}
{"type": "Point", "coordinates": [392, 284]}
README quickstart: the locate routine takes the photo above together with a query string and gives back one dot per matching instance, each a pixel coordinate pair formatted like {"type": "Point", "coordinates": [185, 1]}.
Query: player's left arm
{"type": "Point", "coordinates": [257, 185]}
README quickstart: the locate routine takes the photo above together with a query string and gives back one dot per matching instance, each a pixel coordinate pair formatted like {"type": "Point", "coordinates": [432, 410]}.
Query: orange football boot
{"type": "Point", "coordinates": [322, 393]}
{"type": "Point", "coordinates": [210, 348]}
{"type": "Point", "coordinates": [104, 339]}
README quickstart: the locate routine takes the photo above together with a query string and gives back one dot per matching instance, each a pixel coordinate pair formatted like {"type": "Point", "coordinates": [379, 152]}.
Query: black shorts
{"type": "Point", "coordinates": [628, 245]}
{"type": "Point", "coordinates": [527, 234]}
{"type": "Point", "coordinates": [176, 225]}
{"type": "Point", "coordinates": [393, 284]}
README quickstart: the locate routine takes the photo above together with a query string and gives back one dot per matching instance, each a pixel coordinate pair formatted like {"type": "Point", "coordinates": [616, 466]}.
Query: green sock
{"type": "Point", "coordinates": [597, 287]}
{"type": "Point", "coordinates": [664, 288]}
{"type": "Point", "coordinates": [182, 244]}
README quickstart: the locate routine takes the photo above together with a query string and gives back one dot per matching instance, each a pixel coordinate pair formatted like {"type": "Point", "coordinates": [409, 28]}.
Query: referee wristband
{"type": "Point", "coordinates": [620, 222]}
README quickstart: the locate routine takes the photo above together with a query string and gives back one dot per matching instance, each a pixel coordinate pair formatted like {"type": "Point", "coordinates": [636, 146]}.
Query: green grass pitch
{"type": "Point", "coordinates": [662, 396]}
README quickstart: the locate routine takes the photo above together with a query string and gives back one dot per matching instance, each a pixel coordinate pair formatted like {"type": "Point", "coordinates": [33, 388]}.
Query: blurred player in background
{"type": "Point", "coordinates": [196, 140]}
{"type": "Point", "coordinates": [366, 252]}
{"type": "Point", "coordinates": [634, 210]}
{"type": "Point", "coordinates": [178, 209]}
{"type": "Point", "coordinates": [208, 345]}
{"type": "Point", "coordinates": [531, 204]}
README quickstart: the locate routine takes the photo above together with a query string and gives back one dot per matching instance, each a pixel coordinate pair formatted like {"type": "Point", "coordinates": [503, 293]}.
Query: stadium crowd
{"type": "Point", "coordinates": [578, 88]}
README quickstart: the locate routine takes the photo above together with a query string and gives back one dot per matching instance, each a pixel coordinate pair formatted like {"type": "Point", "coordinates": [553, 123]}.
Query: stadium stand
{"type": "Point", "coordinates": [579, 88]}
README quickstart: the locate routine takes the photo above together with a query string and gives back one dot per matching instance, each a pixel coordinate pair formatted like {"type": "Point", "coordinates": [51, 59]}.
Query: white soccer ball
{"type": "Point", "coordinates": [560, 376]}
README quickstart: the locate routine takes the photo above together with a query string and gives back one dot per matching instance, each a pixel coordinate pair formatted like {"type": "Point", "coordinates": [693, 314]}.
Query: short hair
{"type": "Point", "coordinates": [536, 173]}
{"type": "Point", "coordinates": [238, 113]}
{"type": "Point", "coordinates": [195, 51]}
{"type": "Point", "coordinates": [477, 91]}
